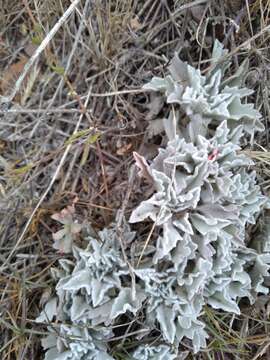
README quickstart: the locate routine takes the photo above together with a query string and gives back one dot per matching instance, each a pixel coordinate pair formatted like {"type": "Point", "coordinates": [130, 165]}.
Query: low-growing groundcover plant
{"type": "Point", "coordinates": [204, 197]}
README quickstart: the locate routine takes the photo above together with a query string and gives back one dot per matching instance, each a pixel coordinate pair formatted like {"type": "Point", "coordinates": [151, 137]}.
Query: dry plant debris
{"type": "Point", "coordinates": [88, 81]}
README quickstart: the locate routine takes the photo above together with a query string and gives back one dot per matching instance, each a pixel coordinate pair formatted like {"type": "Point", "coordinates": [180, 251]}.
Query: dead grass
{"type": "Point", "coordinates": [73, 124]}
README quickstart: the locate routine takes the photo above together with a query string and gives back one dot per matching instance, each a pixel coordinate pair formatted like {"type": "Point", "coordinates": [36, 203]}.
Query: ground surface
{"type": "Point", "coordinates": [69, 132]}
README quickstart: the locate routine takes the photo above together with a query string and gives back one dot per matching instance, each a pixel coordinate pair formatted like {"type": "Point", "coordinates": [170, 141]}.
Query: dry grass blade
{"type": "Point", "coordinates": [146, 243]}
{"type": "Point", "coordinates": [55, 175]}
{"type": "Point", "coordinates": [39, 50]}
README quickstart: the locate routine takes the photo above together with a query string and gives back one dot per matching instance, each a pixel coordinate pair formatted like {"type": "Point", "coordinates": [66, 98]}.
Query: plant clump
{"type": "Point", "coordinates": [204, 198]}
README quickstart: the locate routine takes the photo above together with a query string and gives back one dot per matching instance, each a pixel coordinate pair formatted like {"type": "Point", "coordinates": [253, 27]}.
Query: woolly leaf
{"type": "Point", "coordinates": [160, 352]}
{"type": "Point", "coordinates": [125, 302]}
{"type": "Point", "coordinates": [208, 99]}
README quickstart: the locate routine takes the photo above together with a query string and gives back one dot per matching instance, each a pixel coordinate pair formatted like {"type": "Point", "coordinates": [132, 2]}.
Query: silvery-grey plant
{"type": "Point", "coordinates": [204, 197]}
{"type": "Point", "coordinates": [169, 306]}
{"type": "Point", "coordinates": [210, 98]}
{"type": "Point", "coordinates": [160, 352]}
{"type": "Point", "coordinates": [75, 343]}
{"type": "Point", "coordinates": [91, 292]}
